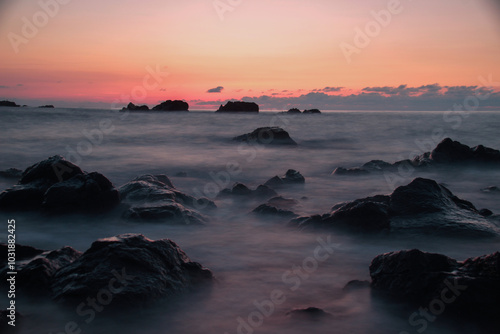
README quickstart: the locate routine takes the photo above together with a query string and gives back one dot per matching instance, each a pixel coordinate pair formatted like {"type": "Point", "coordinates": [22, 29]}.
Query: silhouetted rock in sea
{"type": "Point", "coordinates": [154, 198]}
{"type": "Point", "coordinates": [134, 271]}
{"type": "Point", "coordinates": [8, 104]}
{"type": "Point", "coordinates": [170, 105]}
{"type": "Point", "coordinates": [267, 136]}
{"type": "Point", "coordinates": [423, 206]}
{"type": "Point", "coordinates": [291, 177]}
{"type": "Point", "coordinates": [241, 190]}
{"type": "Point", "coordinates": [11, 173]}
{"type": "Point", "coordinates": [133, 107]}
{"type": "Point", "coordinates": [312, 111]}
{"type": "Point", "coordinates": [447, 152]}
{"type": "Point", "coordinates": [239, 106]}
{"type": "Point", "coordinates": [56, 185]}
{"type": "Point", "coordinates": [468, 289]}
{"type": "Point", "coordinates": [294, 111]}
{"type": "Point", "coordinates": [48, 106]}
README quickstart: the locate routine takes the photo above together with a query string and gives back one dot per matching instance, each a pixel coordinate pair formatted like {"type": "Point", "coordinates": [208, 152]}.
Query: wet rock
{"type": "Point", "coordinates": [11, 173]}
{"type": "Point", "coordinates": [423, 206]}
{"type": "Point", "coordinates": [239, 106]}
{"type": "Point", "coordinates": [469, 288]}
{"type": "Point", "coordinates": [291, 177]}
{"type": "Point", "coordinates": [170, 105]}
{"type": "Point", "coordinates": [56, 185]}
{"type": "Point", "coordinates": [267, 136]}
{"type": "Point", "coordinates": [310, 313]}
{"type": "Point", "coordinates": [241, 190]}
{"type": "Point", "coordinates": [312, 111]}
{"type": "Point", "coordinates": [154, 197]}
{"type": "Point", "coordinates": [133, 107]}
{"type": "Point", "coordinates": [134, 270]}
{"type": "Point", "coordinates": [272, 211]}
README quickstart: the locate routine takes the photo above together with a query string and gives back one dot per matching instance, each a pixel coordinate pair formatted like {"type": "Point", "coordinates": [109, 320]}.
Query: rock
{"type": "Point", "coordinates": [349, 171]}
{"type": "Point", "coordinates": [469, 289]}
{"type": "Point", "coordinates": [291, 177]}
{"type": "Point", "coordinates": [48, 106]}
{"type": "Point", "coordinates": [8, 104]}
{"type": "Point", "coordinates": [170, 105]}
{"type": "Point", "coordinates": [272, 211]}
{"type": "Point", "coordinates": [485, 212]}
{"type": "Point", "coordinates": [11, 173]}
{"type": "Point", "coordinates": [422, 206]}
{"type": "Point", "coordinates": [312, 111]}
{"type": "Point", "coordinates": [56, 185]}
{"type": "Point", "coordinates": [492, 189]}
{"type": "Point", "coordinates": [310, 313]}
{"type": "Point", "coordinates": [294, 111]}
{"type": "Point", "coordinates": [133, 107]}
{"type": "Point", "coordinates": [139, 270]}
{"type": "Point", "coordinates": [239, 106]}
{"type": "Point", "coordinates": [267, 136]}
{"type": "Point", "coordinates": [154, 197]}
{"type": "Point", "coordinates": [282, 202]}
{"type": "Point", "coordinates": [22, 253]}
{"type": "Point", "coordinates": [376, 165]}
{"type": "Point", "coordinates": [239, 189]}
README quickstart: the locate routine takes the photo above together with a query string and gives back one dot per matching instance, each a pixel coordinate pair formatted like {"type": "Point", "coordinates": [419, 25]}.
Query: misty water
{"type": "Point", "coordinates": [248, 255]}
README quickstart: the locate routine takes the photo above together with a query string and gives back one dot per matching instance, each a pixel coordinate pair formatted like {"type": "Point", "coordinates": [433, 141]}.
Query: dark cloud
{"type": "Point", "coordinates": [215, 90]}
{"type": "Point", "coordinates": [4, 87]}
{"type": "Point", "coordinates": [19, 85]}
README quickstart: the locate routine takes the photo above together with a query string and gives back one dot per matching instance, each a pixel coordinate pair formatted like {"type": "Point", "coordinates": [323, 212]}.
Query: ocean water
{"type": "Point", "coordinates": [250, 257]}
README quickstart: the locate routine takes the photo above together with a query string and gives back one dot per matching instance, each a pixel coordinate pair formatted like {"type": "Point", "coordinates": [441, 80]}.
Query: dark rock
{"type": "Point", "coordinates": [269, 210]}
{"type": "Point", "coordinates": [169, 213]}
{"type": "Point", "coordinates": [349, 171]}
{"type": "Point", "coordinates": [291, 177]}
{"type": "Point", "coordinates": [133, 107]}
{"type": "Point", "coordinates": [11, 173]}
{"type": "Point", "coordinates": [267, 136]}
{"type": "Point", "coordinates": [471, 287]}
{"type": "Point", "coordinates": [312, 111]}
{"type": "Point", "coordinates": [48, 106]}
{"type": "Point", "coordinates": [57, 186]}
{"type": "Point", "coordinates": [294, 111]}
{"type": "Point", "coordinates": [422, 206]}
{"type": "Point", "coordinates": [282, 202]}
{"type": "Point", "coordinates": [485, 212]}
{"type": "Point", "coordinates": [8, 104]}
{"type": "Point", "coordinates": [376, 165]}
{"type": "Point", "coordinates": [170, 105]}
{"type": "Point", "coordinates": [239, 189]}
{"type": "Point", "coordinates": [239, 106]}
{"type": "Point", "coordinates": [310, 313]}
{"type": "Point", "coordinates": [142, 270]}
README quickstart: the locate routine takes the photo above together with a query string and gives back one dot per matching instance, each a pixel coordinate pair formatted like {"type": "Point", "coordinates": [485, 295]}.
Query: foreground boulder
{"type": "Point", "coordinates": [133, 107]}
{"type": "Point", "coordinates": [56, 185]}
{"type": "Point", "coordinates": [170, 105]}
{"type": "Point", "coordinates": [154, 198]}
{"type": "Point", "coordinates": [291, 177]}
{"type": "Point", "coordinates": [447, 152]}
{"type": "Point", "coordinates": [134, 270]}
{"type": "Point", "coordinates": [469, 289]}
{"type": "Point", "coordinates": [239, 106]}
{"type": "Point", "coordinates": [422, 206]}
{"type": "Point", "coordinates": [267, 136]}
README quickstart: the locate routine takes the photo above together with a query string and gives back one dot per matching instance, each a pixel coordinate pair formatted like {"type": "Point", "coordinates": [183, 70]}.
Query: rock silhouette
{"type": "Point", "coordinates": [133, 107]}
{"type": "Point", "coordinates": [267, 136]}
{"type": "Point", "coordinates": [170, 105]}
{"type": "Point", "coordinates": [8, 104]}
{"type": "Point", "coordinates": [239, 106]}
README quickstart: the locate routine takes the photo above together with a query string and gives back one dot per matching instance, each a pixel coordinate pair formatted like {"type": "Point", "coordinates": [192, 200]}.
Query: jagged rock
{"type": "Point", "coordinates": [291, 177]}
{"type": "Point", "coordinates": [312, 111]}
{"type": "Point", "coordinates": [132, 269]}
{"type": "Point", "coordinates": [8, 104]}
{"type": "Point", "coordinates": [272, 211]}
{"type": "Point", "coordinates": [133, 107]}
{"type": "Point", "coordinates": [470, 288]}
{"type": "Point", "coordinates": [170, 105]}
{"type": "Point", "coordinates": [267, 136]}
{"type": "Point", "coordinates": [239, 106]}
{"type": "Point", "coordinates": [239, 189]}
{"type": "Point", "coordinates": [11, 173]}
{"type": "Point", "coordinates": [422, 206]}
{"type": "Point", "coordinates": [56, 186]}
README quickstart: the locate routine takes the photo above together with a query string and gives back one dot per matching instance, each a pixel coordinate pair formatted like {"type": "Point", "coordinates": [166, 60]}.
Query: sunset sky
{"type": "Point", "coordinates": [427, 54]}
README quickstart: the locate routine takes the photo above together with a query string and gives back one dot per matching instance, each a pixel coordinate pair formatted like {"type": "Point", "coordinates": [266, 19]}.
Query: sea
{"type": "Point", "coordinates": [253, 259]}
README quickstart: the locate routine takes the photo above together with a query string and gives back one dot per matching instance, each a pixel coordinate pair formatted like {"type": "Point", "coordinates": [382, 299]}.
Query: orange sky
{"type": "Point", "coordinates": [94, 52]}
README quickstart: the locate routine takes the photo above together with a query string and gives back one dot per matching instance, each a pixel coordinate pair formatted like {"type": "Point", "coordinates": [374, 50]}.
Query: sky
{"type": "Point", "coordinates": [327, 54]}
